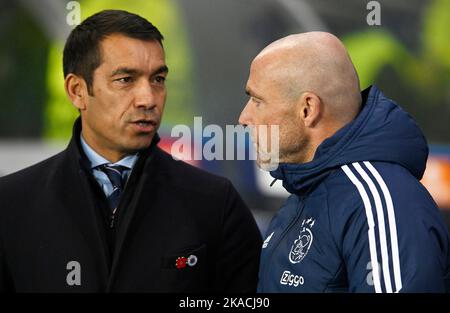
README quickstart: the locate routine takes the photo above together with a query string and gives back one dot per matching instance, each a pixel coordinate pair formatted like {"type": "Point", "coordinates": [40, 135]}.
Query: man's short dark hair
{"type": "Point", "coordinates": [82, 53]}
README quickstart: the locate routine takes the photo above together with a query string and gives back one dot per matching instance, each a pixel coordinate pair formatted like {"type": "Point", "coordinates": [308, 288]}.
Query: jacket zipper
{"type": "Point", "coordinates": [283, 234]}
{"type": "Point", "coordinates": [113, 215]}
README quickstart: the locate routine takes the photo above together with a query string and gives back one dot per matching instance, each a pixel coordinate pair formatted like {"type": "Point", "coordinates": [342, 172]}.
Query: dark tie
{"type": "Point", "coordinates": [114, 173]}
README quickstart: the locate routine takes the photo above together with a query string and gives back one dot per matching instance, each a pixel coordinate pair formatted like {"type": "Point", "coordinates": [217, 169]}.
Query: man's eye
{"type": "Point", "coordinates": [256, 101]}
{"type": "Point", "coordinates": [124, 79]}
{"type": "Point", "coordinates": [160, 79]}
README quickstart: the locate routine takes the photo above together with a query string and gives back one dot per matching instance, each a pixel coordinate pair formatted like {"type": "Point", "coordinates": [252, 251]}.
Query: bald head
{"type": "Point", "coordinates": [307, 85]}
{"type": "Point", "coordinates": [317, 62]}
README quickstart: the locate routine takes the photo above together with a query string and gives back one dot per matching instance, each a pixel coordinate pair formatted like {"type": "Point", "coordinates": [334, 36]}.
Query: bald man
{"type": "Point", "coordinates": [358, 219]}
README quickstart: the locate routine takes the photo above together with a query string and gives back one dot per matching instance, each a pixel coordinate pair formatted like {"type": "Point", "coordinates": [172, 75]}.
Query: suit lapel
{"type": "Point", "coordinates": [80, 205]}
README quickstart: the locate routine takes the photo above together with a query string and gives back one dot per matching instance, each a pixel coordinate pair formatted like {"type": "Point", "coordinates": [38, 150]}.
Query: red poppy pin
{"type": "Point", "coordinates": [181, 262]}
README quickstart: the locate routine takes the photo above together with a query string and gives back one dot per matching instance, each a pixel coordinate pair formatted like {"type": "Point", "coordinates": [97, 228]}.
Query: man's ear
{"type": "Point", "coordinates": [76, 90]}
{"type": "Point", "coordinates": [311, 109]}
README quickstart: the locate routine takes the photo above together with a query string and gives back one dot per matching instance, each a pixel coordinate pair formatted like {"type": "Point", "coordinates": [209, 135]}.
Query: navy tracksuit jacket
{"type": "Point", "coordinates": [358, 219]}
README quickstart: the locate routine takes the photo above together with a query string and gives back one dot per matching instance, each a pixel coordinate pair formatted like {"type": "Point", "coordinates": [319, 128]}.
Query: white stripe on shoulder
{"type": "Point", "coordinates": [392, 226]}
{"type": "Point", "coordinates": [381, 226]}
{"type": "Point", "coordinates": [371, 223]}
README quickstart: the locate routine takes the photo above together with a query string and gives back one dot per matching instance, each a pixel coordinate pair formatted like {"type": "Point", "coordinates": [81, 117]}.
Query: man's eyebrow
{"type": "Point", "coordinates": [136, 72]}
{"type": "Point", "coordinates": [125, 70]}
{"type": "Point", "coordinates": [161, 70]}
{"type": "Point", "coordinates": [251, 93]}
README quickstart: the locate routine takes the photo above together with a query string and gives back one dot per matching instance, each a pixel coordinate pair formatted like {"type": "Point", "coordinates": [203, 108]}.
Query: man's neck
{"type": "Point", "coordinates": [110, 155]}
{"type": "Point", "coordinates": [319, 138]}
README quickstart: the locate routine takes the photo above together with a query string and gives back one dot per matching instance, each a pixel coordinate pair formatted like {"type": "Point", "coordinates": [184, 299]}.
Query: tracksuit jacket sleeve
{"type": "Point", "coordinates": [377, 260]}
{"type": "Point", "coordinates": [238, 256]}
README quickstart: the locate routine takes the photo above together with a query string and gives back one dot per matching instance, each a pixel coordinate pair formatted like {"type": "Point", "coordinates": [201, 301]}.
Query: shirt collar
{"type": "Point", "coordinates": [97, 160]}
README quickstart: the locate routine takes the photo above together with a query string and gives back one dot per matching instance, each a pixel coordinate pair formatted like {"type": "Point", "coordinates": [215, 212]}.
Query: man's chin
{"type": "Point", "coordinates": [140, 144]}
{"type": "Point", "coordinates": [267, 165]}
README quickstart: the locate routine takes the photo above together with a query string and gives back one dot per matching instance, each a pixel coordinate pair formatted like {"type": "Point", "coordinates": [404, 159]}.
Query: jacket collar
{"type": "Point", "coordinates": [76, 150]}
{"type": "Point", "coordinates": [300, 178]}
{"type": "Point", "coordinates": [382, 131]}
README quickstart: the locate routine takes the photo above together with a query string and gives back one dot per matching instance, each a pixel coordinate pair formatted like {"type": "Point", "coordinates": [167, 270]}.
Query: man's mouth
{"type": "Point", "coordinates": [145, 125]}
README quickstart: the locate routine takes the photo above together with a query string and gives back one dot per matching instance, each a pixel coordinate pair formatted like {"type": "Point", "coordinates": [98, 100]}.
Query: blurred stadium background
{"type": "Point", "coordinates": [209, 46]}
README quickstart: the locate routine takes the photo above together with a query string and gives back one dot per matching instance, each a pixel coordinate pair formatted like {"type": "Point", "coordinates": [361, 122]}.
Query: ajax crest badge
{"type": "Point", "coordinates": [302, 244]}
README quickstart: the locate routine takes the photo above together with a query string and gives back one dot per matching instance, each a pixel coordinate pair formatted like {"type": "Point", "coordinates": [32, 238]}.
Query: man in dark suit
{"type": "Point", "coordinates": [113, 212]}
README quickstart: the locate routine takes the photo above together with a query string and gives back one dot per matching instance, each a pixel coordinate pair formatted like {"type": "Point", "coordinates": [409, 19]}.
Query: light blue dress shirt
{"type": "Point", "coordinates": [96, 160]}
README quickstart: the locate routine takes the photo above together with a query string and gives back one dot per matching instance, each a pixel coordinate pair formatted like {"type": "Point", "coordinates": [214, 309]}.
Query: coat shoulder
{"type": "Point", "coordinates": [29, 176]}
{"type": "Point", "coordinates": [190, 177]}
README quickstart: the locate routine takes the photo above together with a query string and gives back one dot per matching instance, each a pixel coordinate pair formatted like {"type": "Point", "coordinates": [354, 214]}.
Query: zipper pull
{"type": "Point", "coordinates": [111, 224]}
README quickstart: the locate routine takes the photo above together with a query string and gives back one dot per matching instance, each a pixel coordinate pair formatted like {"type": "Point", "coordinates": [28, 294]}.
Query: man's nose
{"type": "Point", "coordinates": [145, 96]}
{"type": "Point", "coordinates": [244, 118]}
